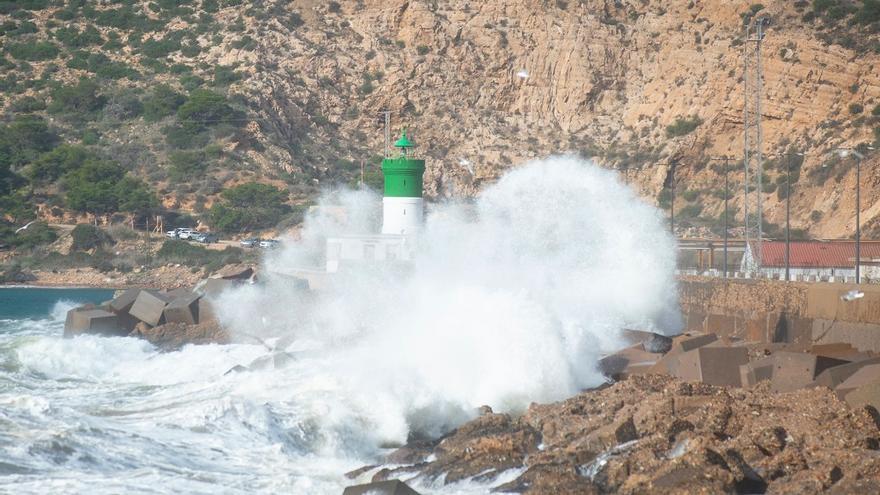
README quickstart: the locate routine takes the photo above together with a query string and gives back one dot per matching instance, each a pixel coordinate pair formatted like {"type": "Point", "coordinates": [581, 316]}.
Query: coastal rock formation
{"type": "Point", "coordinates": [657, 434]}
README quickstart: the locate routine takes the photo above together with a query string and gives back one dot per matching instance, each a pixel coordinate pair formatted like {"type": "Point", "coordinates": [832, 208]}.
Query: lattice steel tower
{"type": "Point", "coordinates": [753, 160]}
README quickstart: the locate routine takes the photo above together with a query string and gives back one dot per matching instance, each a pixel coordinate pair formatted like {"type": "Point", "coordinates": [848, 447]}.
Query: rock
{"type": "Point", "coordinates": [173, 336]}
{"type": "Point", "coordinates": [714, 365]}
{"type": "Point", "coordinates": [628, 361]}
{"type": "Point", "coordinates": [390, 487]}
{"type": "Point", "coordinates": [618, 439]}
{"type": "Point", "coordinates": [651, 342]}
{"type": "Point", "coordinates": [234, 272]}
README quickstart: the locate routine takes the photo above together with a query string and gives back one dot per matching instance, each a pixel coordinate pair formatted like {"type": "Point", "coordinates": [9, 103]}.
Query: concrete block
{"type": "Point", "coordinates": [183, 310]}
{"type": "Point", "coordinates": [180, 292]}
{"type": "Point", "coordinates": [628, 361]}
{"type": "Point", "coordinates": [214, 286]}
{"type": "Point", "coordinates": [688, 342]}
{"type": "Point", "coordinates": [123, 302]}
{"type": "Point", "coordinates": [234, 272]}
{"type": "Point", "coordinates": [149, 307]}
{"type": "Point", "coordinates": [390, 487]}
{"type": "Point", "coordinates": [866, 395]}
{"type": "Point", "coordinates": [868, 373]}
{"type": "Point", "coordinates": [839, 351]}
{"type": "Point", "coordinates": [864, 337]}
{"type": "Point", "coordinates": [651, 342]}
{"type": "Point", "coordinates": [207, 311]}
{"type": "Point", "coordinates": [91, 321]}
{"type": "Point", "coordinates": [714, 365]}
{"type": "Point", "coordinates": [722, 325]}
{"type": "Point", "coordinates": [834, 376]}
{"type": "Point", "coordinates": [795, 370]}
{"type": "Point", "coordinates": [696, 322]}
{"type": "Point", "coordinates": [755, 371]}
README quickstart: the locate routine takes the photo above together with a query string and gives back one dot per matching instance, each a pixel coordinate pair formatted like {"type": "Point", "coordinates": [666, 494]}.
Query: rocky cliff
{"type": "Point", "coordinates": [642, 86]}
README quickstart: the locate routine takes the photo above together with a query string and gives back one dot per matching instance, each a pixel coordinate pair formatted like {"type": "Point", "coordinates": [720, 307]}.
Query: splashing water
{"type": "Point", "coordinates": [510, 300]}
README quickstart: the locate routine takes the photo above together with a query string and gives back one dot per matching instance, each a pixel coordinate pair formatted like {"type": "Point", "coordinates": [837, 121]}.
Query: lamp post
{"type": "Point", "coordinates": [725, 160]}
{"type": "Point", "coordinates": [844, 152]}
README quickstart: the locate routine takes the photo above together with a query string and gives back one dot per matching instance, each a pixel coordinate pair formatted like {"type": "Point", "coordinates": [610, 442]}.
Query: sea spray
{"type": "Point", "coordinates": [509, 300]}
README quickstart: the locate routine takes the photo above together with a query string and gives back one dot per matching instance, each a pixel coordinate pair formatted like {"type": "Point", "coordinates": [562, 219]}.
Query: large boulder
{"type": "Point", "coordinates": [173, 336]}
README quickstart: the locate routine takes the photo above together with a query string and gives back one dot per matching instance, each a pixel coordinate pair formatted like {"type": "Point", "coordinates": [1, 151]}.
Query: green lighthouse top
{"type": "Point", "coordinates": [403, 174]}
{"type": "Point", "coordinates": [403, 143]}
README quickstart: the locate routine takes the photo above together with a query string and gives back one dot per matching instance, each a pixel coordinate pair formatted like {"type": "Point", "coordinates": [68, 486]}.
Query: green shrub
{"type": "Point", "coordinates": [422, 50]}
{"type": "Point", "coordinates": [87, 237]}
{"type": "Point", "coordinates": [163, 102]}
{"type": "Point", "coordinates": [177, 251]}
{"type": "Point", "coordinates": [249, 206]}
{"type": "Point", "coordinates": [28, 104]}
{"type": "Point", "coordinates": [50, 166]}
{"type": "Point", "coordinates": [683, 126]}
{"type": "Point", "coordinates": [187, 165]}
{"type": "Point", "coordinates": [101, 187]}
{"type": "Point", "coordinates": [225, 75]}
{"type": "Point", "coordinates": [855, 108]}
{"type": "Point", "coordinates": [72, 37]}
{"type": "Point", "coordinates": [81, 101]}
{"type": "Point", "coordinates": [24, 139]}
{"type": "Point", "coordinates": [37, 234]}
{"type": "Point", "coordinates": [40, 50]}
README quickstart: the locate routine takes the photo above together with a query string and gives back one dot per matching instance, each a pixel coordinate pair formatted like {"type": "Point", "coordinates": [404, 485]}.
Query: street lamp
{"type": "Point", "coordinates": [725, 159]}
{"type": "Point", "coordinates": [843, 153]}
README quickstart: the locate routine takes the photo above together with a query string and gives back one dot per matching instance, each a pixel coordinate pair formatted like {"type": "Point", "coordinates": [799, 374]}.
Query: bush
{"type": "Point", "coordinates": [37, 234]}
{"type": "Point", "coordinates": [23, 139]}
{"type": "Point", "coordinates": [422, 50]}
{"type": "Point", "coordinates": [683, 126]}
{"type": "Point", "coordinates": [87, 237]}
{"type": "Point", "coordinates": [249, 206]}
{"type": "Point", "coordinates": [177, 251]}
{"type": "Point", "coordinates": [40, 50]}
{"type": "Point", "coordinates": [101, 187]}
{"type": "Point", "coordinates": [81, 101]}
{"type": "Point", "coordinates": [72, 37]}
{"type": "Point", "coordinates": [28, 104]}
{"type": "Point", "coordinates": [162, 103]}
{"type": "Point", "coordinates": [855, 108]}
{"type": "Point", "coordinates": [187, 165]}
{"type": "Point", "coordinates": [50, 166]}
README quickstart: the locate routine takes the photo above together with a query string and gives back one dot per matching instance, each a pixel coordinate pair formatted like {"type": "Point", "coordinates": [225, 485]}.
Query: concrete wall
{"type": "Point", "coordinates": [796, 313]}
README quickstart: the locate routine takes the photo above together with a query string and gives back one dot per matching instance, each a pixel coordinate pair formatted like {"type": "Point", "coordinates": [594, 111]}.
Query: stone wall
{"type": "Point", "coordinates": [795, 313]}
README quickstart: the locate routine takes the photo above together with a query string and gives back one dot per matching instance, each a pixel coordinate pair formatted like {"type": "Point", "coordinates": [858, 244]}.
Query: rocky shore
{"type": "Point", "coordinates": [166, 277]}
{"type": "Point", "coordinates": [659, 434]}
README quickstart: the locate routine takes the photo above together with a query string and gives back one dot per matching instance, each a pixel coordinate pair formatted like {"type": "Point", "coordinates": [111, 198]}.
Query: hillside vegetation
{"type": "Point", "coordinates": [129, 109]}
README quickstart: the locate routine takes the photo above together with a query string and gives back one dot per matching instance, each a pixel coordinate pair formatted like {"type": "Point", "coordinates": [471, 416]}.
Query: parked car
{"type": "Point", "coordinates": [251, 242]}
{"type": "Point", "coordinates": [204, 237]}
{"type": "Point", "coordinates": [174, 234]}
{"type": "Point", "coordinates": [186, 233]}
{"type": "Point", "coordinates": [270, 243]}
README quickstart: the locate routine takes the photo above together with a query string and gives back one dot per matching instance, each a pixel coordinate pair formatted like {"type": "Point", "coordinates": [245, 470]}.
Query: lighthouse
{"type": "Point", "coordinates": [403, 208]}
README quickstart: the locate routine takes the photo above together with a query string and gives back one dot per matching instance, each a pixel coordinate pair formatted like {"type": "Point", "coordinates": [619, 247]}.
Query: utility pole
{"type": "Point", "coordinates": [726, 161]}
{"type": "Point", "coordinates": [788, 220]}
{"type": "Point", "coordinates": [858, 216]}
{"type": "Point", "coordinates": [387, 115]}
{"type": "Point", "coordinates": [726, 196]}
{"type": "Point", "coordinates": [753, 79]}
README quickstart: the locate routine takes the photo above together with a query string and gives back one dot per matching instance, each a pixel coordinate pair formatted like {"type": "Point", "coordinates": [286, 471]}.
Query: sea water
{"type": "Point", "coordinates": [510, 300]}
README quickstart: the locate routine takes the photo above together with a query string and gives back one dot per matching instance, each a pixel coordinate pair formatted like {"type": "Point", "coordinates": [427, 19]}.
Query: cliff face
{"type": "Point", "coordinates": [485, 86]}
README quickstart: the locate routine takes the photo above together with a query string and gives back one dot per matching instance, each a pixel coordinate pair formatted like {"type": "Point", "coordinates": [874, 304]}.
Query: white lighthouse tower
{"type": "Point", "coordinates": [403, 208]}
